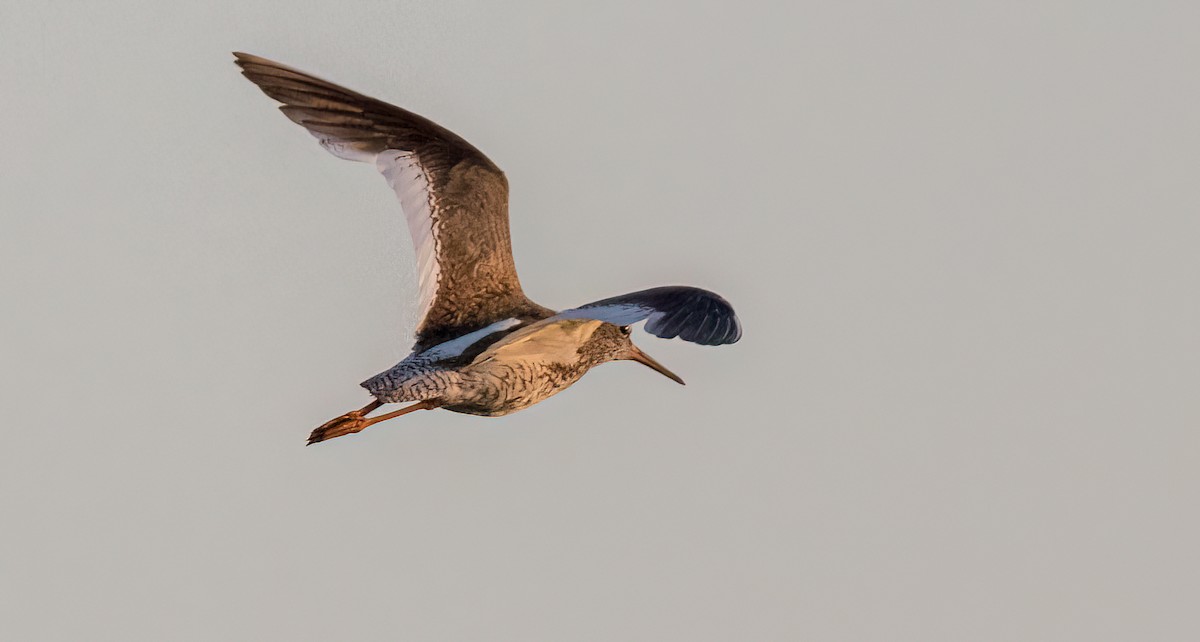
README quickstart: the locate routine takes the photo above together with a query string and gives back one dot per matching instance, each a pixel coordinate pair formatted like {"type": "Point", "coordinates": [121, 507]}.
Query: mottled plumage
{"type": "Point", "coordinates": [482, 347]}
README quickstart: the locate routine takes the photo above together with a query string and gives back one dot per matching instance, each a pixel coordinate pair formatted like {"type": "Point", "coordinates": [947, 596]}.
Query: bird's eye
{"type": "Point", "coordinates": [626, 329]}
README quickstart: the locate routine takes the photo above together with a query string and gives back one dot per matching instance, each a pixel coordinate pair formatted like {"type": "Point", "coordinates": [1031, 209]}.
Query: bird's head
{"type": "Point", "coordinates": [614, 343]}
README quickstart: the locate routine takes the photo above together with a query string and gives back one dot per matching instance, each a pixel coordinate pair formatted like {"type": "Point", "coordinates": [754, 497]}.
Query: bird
{"type": "Point", "coordinates": [481, 346]}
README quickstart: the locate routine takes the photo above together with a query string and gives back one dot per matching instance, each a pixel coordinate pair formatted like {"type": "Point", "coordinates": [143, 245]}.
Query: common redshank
{"type": "Point", "coordinates": [482, 347]}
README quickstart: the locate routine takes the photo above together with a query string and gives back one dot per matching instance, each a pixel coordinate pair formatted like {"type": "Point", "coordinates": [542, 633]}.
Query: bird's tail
{"type": "Point", "coordinates": [406, 383]}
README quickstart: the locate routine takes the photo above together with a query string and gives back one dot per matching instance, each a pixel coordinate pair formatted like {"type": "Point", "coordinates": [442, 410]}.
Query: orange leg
{"type": "Point", "coordinates": [356, 420]}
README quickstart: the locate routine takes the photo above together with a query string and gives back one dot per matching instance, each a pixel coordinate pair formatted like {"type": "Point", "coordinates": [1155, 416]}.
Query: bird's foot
{"type": "Point", "coordinates": [348, 423]}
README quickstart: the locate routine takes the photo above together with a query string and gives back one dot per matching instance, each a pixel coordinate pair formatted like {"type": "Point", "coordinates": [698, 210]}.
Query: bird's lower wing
{"type": "Point", "coordinates": [552, 340]}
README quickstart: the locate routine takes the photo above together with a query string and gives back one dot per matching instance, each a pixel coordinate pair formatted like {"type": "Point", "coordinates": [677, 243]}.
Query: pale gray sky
{"type": "Point", "coordinates": [962, 238]}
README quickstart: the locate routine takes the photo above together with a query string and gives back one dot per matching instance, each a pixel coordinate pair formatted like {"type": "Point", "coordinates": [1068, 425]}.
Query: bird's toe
{"type": "Point", "coordinates": [348, 423]}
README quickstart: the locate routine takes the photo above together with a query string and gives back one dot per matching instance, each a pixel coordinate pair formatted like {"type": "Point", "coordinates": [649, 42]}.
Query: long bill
{"type": "Point", "coordinates": [637, 355]}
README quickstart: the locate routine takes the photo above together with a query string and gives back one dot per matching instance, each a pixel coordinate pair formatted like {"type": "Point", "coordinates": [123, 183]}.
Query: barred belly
{"type": "Point", "coordinates": [495, 388]}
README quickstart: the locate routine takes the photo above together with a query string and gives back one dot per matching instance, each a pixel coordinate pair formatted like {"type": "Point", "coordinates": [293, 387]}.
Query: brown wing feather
{"type": "Point", "coordinates": [477, 280]}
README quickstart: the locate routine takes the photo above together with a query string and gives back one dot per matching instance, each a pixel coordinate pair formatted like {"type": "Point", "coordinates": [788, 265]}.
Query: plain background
{"type": "Point", "coordinates": [962, 238]}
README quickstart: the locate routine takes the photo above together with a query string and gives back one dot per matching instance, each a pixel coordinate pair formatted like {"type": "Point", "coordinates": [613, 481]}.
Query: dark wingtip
{"type": "Point", "coordinates": [692, 314]}
{"type": "Point", "coordinates": [734, 333]}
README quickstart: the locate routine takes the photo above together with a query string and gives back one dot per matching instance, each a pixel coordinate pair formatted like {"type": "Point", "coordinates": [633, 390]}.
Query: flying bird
{"type": "Point", "coordinates": [482, 347]}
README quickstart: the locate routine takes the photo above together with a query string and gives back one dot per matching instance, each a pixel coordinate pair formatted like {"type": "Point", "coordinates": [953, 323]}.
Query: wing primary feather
{"type": "Point", "coordinates": [701, 332]}
{"type": "Point", "coordinates": [720, 332]}
{"type": "Point", "coordinates": [676, 326]}
{"type": "Point", "coordinates": [292, 82]}
{"type": "Point", "coordinates": [301, 115]}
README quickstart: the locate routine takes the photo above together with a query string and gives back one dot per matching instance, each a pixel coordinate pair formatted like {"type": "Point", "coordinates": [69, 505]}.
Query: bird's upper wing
{"type": "Point", "coordinates": [454, 198]}
{"type": "Point", "coordinates": [691, 314]}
